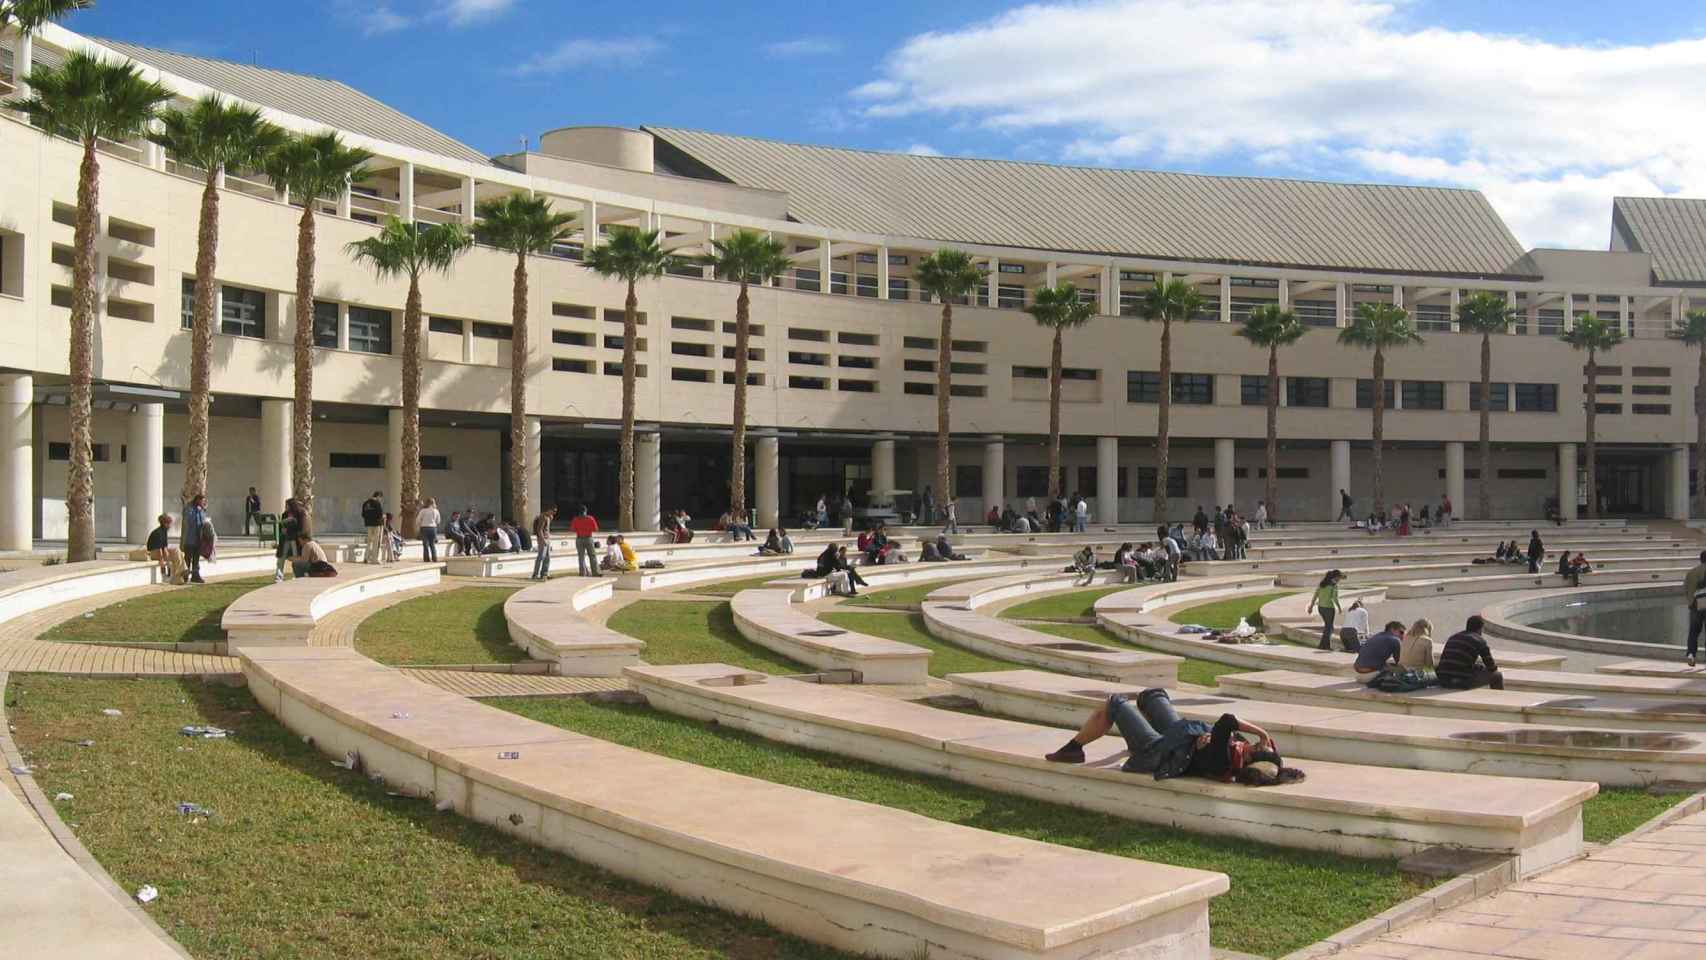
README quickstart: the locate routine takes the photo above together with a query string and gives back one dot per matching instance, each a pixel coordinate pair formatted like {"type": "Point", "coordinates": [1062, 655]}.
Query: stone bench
{"type": "Point", "coordinates": [1341, 808]}
{"type": "Point", "coordinates": [1448, 568]}
{"type": "Point", "coordinates": [855, 876]}
{"type": "Point", "coordinates": [1286, 618]}
{"type": "Point", "coordinates": [1374, 562]}
{"type": "Point", "coordinates": [1344, 735]}
{"type": "Point", "coordinates": [285, 613]}
{"type": "Point", "coordinates": [710, 571]}
{"type": "Point", "coordinates": [1156, 595]}
{"type": "Point", "coordinates": [1388, 546]}
{"type": "Point", "coordinates": [951, 614]}
{"type": "Point", "coordinates": [545, 620]}
{"type": "Point", "coordinates": [770, 617]}
{"type": "Point", "coordinates": [33, 588]}
{"type": "Point", "coordinates": [1529, 581]}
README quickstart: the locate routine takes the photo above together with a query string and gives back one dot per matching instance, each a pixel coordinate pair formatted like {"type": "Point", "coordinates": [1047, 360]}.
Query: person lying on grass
{"type": "Point", "coordinates": [1160, 742]}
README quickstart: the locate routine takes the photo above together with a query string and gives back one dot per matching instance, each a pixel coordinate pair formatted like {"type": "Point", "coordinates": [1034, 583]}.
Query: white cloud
{"type": "Point", "coordinates": [1342, 88]}
{"type": "Point", "coordinates": [463, 12]}
{"type": "Point", "coordinates": [377, 20]}
{"type": "Point", "coordinates": [922, 150]}
{"type": "Point", "coordinates": [802, 47]}
{"type": "Point", "coordinates": [609, 52]}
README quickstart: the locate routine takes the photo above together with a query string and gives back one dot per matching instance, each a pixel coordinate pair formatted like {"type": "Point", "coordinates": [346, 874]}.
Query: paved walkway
{"type": "Point", "coordinates": [21, 652]}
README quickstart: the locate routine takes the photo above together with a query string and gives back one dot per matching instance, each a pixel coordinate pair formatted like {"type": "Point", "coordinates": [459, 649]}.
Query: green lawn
{"type": "Point", "coordinates": [909, 597]}
{"type": "Point", "coordinates": [728, 588]}
{"type": "Point", "coordinates": [187, 615]}
{"type": "Point", "coordinates": [1200, 672]}
{"type": "Point", "coordinates": [1618, 810]}
{"type": "Point", "coordinates": [465, 625]}
{"type": "Point", "coordinates": [1280, 899]}
{"type": "Point", "coordinates": [692, 632]}
{"type": "Point", "coordinates": [1224, 614]}
{"type": "Point", "coordinates": [945, 658]}
{"type": "Point", "coordinates": [303, 860]}
{"type": "Point", "coordinates": [1067, 605]}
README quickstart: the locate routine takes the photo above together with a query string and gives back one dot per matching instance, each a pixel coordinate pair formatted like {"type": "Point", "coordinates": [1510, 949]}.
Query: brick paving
{"type": "Point", "coordinates": [22, 652]}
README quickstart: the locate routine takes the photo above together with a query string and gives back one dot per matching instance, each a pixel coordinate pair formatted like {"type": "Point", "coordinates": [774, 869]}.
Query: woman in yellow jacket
{"type": "Point", "coordinates": [1326, 599]}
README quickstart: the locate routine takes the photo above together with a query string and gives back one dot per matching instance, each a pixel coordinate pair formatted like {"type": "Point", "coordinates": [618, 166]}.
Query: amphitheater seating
{"type": "Point", "coordinates": [771, 618]}
{"type": "Point", "coordinates": [29, 589]}
{"type": "Point", "coordinates": [855, 876]}
{"type": "Point", "coordinates": [1443, 568]}
{"type": "Point", "coordinates": [1667, 573]}
{"type": "Point", "coordinates": [545, 620]}
{"type": "Point", "coordinates": [1344, 809]}
{"type": "Point", "coordinates": [710, 571]}
{"type": "Point", "coordinates": [285, 613]}
{"type": "Point", "coordinates": [1616, 758]}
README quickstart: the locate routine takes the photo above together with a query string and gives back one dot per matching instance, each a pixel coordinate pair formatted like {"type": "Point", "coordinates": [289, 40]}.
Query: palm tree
{"type": "Point", "coordinates": [1486, 314]}
{"type": "Point", "coordinates": [1592, 334]}
{"type": "Point", "coordinates": [1174, 300]}
{"type": "Point", "coordinates": [1272, 327]}
{"type": "Point", "coordinates": [214, 135]}
{"type": "Point", "coordinates": [746, 257]}
{"type": "Point", "coordinates": [1380, 327]}
{"type": "Point", "coordinates": [1694, 334]}
{"type": "Point", "coordinates": [87, 100]}
{"type": "Point", "coordinates": [948, 275]}
{"type": "Point", "coordinates": [630, 255]}
{"type": "Point", "coordinates": [28, 17]}
{"type": "Point", "coordinates": [312, 167]}
{"type": "Point", "coordinates": [1058, 308]}
{"type": "Point", "coordinates": [523, 225]}
{"type": "Point", "coordinates": [409, 250]}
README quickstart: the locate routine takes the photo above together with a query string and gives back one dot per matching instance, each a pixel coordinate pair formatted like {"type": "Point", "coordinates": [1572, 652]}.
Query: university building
{"type": "Point", "coordinates": [844, 349]}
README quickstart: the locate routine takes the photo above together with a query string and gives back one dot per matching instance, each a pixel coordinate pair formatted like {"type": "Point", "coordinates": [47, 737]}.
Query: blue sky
{"type": "Point", "coordinates": [1550, 107]}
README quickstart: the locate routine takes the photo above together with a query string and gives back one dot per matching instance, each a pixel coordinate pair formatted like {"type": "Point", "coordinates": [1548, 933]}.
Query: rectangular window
{"type": "Point", "coordinates": [967, 390]}
{"type": "Point", "coordinates": [572, 310]}
{"type": "Point", "coordinates": [968, 480]}
{"type": "Point", "coordinates": [808, 383]}
{"type": "Point", "coordinates": [1424, 395]}
{"type": "Point", "coordinates": [100, 451]}
{"type": "Point", "coordinates": [571, 338]}
{"type": "Point", "coordinates": [570, 365]}
{"type": "Point", "coordinates": [752, 379]}
{"type": "Point", "coordinates": [691, 323]}
{"type": "Point", "coordinates": [449, 325]}
{"type": "Point", "coordinates": [1609, 371]}
{"type": "Point", "coordinates": [1611, 408]}
{"type": "Point", "coordinates": [493, 331]}
{"type": "Point", "coordinates": [755, 354]}
{"type": "Point", "coordinates": [918, 343]}
{"type": "Point", "coordinates": [1651, 409]}
{"type": "Point", "coordinates": [1030, 373]}
{"type": "Point", "coordinates": [856, 386]}
{"type": "Point", "coordinates": [1649, 371]}
{"type": "Point", "coordinates": [1537, 398]}
{"type": "Point", "coordinates": [900, 288]}
{"type": "Point", "coordinates": [243, 313]}
{"type": "Point", "coordinates": [690, 374]}
{"type": "Point", "coordinates": [1307, 392]}
{"type": "Point", "coordinates": [1317, 313]}
{"type": "Point", "coordinates": [1365, 394]}
{"type": "Point", "coordinates": [325, 324]}
{"type": "Point", "coordinates": [613, 368]}
{"type": "Point", "coordinates": [1012, 268]}
{"type": "Point", "coordinates": [969, 346]}
{"type": "Point", "coordinates": [1650, 389]}
{"type": "Point", "coordinates": [919, 366]}
{"type": "Point", "coordinates": [856, 339]}
{"type": "Point", "coordinates": [857, 363]}
{"type": "Point", "coordinates": [1178, 480]}
{"type": "Point", "coordinates": [1522, 473]}
{"type": "Point", "coordinates": [808, 359]}
{"type": "Point", "coordinates": [974, 369]}
{"type": "Point", "coordinates": [1009, 297]}
{"type": "Point", "coordinates": [171, 455]}
{"type": "Point", "coordinates": [57, 450]}
{"type": "Point", "coordinates": [369, 330]}
{"type": "Point", "coordinates": [435, 461]}
{"type": "Point", "coordinates": [1142, 386]}
{"type": "Point", "coordinates": [802, 333]}
{"type": "Point", "coordinates": [1501, 393]}
{"type": "Point", "coordinates": [1599, 388]}
{"type": "Point", "coordinates": [1253, 391]}
{"type": "Point", "coordinates": [614, 315]}
{"type": "Point", "coordinates": [1194, 388]}
{"type": "Point", "coordinates": [1080, 373]}
{"type": "Point", "coordinates": [1087, 477]}
{"type": "Point", "coordinates": [806, 280]}
{"type": "Point", "coordinates": [1033, 481]}
{"type": "Point", "coordinates": [613, 342]}
{"type": "Point", "coordinates": [918, 388]}
{"type": "Point", "coordinates": [357, 461]}
{"type": "Point", "coordinates": [752, 329]}
{"type": "Point", "coordinates": [690, 349]}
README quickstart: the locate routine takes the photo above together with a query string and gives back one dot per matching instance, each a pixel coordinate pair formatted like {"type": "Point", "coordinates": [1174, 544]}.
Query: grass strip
{"type": "Point", "coordinates": [465, 625]}
{"type": "Point", "coordinates": [183, 615]}
{"type": "Point", "coordinates": [1067, 605]}
{"type": "Point", "coordinates": [306, 861]}
{"type": "Point", "coordinates": [1224, 614]}
{"type": "Point", "coordinates": [677, 631]}
{"type": "Point", "coordinates": [1203, 673]}
{"type": "Point", "coordinates": [728, 588]}
{"type": "Point", "coordinates": [1618, 810]}
{"type": "Point", "coordinates": [945, 658]}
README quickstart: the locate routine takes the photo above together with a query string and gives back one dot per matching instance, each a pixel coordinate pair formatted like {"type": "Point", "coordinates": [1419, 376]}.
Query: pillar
{"type": "Point", "coordinates": [647, 481]}
{"type": "Point", "coordinates": [589, 225]}
{"type": "Point", "coordinates": [882, 273]}
{"type": "Point", "coordinates": [767, 472]}
{"type": "Point", "coordinates": [1567, 480]}
{"type": "Point", "coordinates": [1107, 479]}
{"type": "Point", "coordinates": [1340, 454]}
{"type": "Point", "coordinates": [1226, 299]}
{"type": "Point", "coordinates": [535, 496]}
{"type": "Point", "coordinates": [1225, 462]}
{"type": "Point", "coordinates": [394, 458]}
{"type": "Point", "coordinates": [406, 192]}
{"type": "Point", "coordinates": [468, 208]}
{"type": "Point", "coordinates": [994, 282]}
{"type": "Point", "coordinates": [144, 459]}
{"type": "Point", "coordinates": [344, 202]}
{"type": "Point", "coordinates": [23, 47]}
{"type": "Point", "coordinates": [17, 461]}
{"type": "Point", "coordinates": [1454, 480]}
{"type": "Point", "coordinates": [1677, 501]}
{"type": "Point", "coordinates": [273, 483]}
{"type": "Point", "coordinates": [882, 469]}
{"type": "Point", "coordinates": [1341, 305]}
{"type": "Point", "coordinates": [994, 473]}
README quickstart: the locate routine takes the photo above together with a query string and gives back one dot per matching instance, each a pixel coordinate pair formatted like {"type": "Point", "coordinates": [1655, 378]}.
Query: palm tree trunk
{"type": "Point", "coordinates": [1054, 485]}
{"type": "Point", "coordinates": [1486, 498]}
{"type": "Point", "coordinates": [520, 507]}
{"type": "Point", "coordinates": [1379, 427]}
{"type": "Point", "coordinates": [625, 472]}
{"type": "Point", "coordinates": [1592, 405]}
{"type": "Point", "coordinates": [1163, 420]}
{"type": "Point", "coordinates": [201, 339]}
{"type": "Point", "coordinates": [302, 409]}
{"type": "Point", "coordinates": [737, 445]}
{"type": "Point", "coordinates": [1270, 489]}
{"type": "Point", "coordinates": [410, 472]}
{"type": "Point", "coordinates": [80, 479]}
{"type": "Point", "coordinates": [944, 387]}
{"type": "Point", "coordinates": [1699, 471]}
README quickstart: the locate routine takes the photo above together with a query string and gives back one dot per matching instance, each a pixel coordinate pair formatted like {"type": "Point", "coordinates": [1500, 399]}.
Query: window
{"type": "Point", "coordinates": [130, 232]}
{"type": "Point", "coordinates": [1079, 373]}
{"type": "Point", "coordinates": [752, 379]}
{"type": "Point", "coordinates": [806, 280]}
{"type": "Point", "coordinates": [900, 288]}
{"type": "Point", "coordinates": [1033, 481]}
{"type": "Point", "coordinates": [690, 323]}
{"type": "Point", "coordinates": [974, 369]}
{"type": "Point", "coordinates": [614, 315]}
{"type": "Point", "coordinates": [325, 324]}
{"type": "Point", "coordinates": [1650, 389]}
{"type": "Point", "coordinates": [1288, 473]}
{"type": "Point", "coordinates": [690, 349]}
{"type": "Point", "coordinates": [1142, 386]}
{"type": "Point", "coordinates": [1651, 409]}
{"type": "Point", "coordinates": [968, 346]}
{"type": "Point", "coordinates": [1030, 373]}
{"type": "Point", "coordinates": [571, 338]}
{"type": "Point", "coordinates": [967, 390]}
{"type": "Point", "coordinates": [613, 342]}
{"type": "Point", "coordinates": [1424, 395]}
{"type": "Point", "coordinates": [435, 461]}
{"type": "Point", "coordinates": [171, 455]}
{"type": "Point", "coordinates": [859, 363]}
{"type": "Point", "coordinates": [493, 331]}
{"type": "Point", "coordinates": [243, 313]}
{"type": "Point", "coordinates": [614, 369]}
{"type": "Point", "coordinates": [1365, 394]}
{"type": "Point", "coordinates": [357, 461]}
{"type": "Point", "coordinates": [801, 333]}
{"type": "Point", "coordinates": [1317, 313]}
{"type": "Point", "coordinates": [918, 343]}
{"type": "Point", "coordinates": [57, 450]}
{"type": "Point", "coordinates": [100, 452]}
{"type": "Point", "coordinates": [808, 383]}
{"type": "Point", "coordinates": [454, 326]}
{"type": "Point", "coordinates": [1012, 268]}
{"type": "Point", "coordinates": [857, 339]}
{"type": "Point", "coordinates": [1649, 371]}
{"type": "Point", "coordinates": [1537, 398]}
{"type": "Point", "coordinates": [1306, 391]}
{"type": "Point", "coordinates": [968, 479]}
{"type": "Point", "coordinates": [1177, 482]}
{"type": "Point", "coordinates": [1521, 473]}
{"type": "Point", "coordinates": [752, 353]}
{"type": "Point", "coordinates": [808, 359]}
{"type": "Point", "coordinates": [572, 310]}
{"type": "Point", "coordinates": [1253, 391]}
{"type": "Point", "coordinates": [369, 330]}
{"type": "Point", "coordinates": [1607, 388]}
{"type": "Point", "coordinates": [752, 329]}
{"type": "Point", "coordinates": [1606, 371]}
{"type": "Point", "coordinates": [1501, 396]}
{"type": "Point", "coordinates": [569, 365]}
{"type": "Point", "coordinates": [1009, 297]}
{"type": "Point", "coordinates": [1087, 477]}
{"type": "Point", "coordinates": [1610, 408]}
{"type": "Point", "coordinates": [918, 389]}
{"type": "Point", "coordinates": [690, 375]}
{"type": "Point", "coordinates": [1137, 276]}
{"type": "Point", "coordinates": [1469, 473]}
{"type": "Point", "coordinates": [856, 386]}
{"type": "Point", "coordinates": [1195, 388]}
{"type": "Point", "coordinates": [919, 366]}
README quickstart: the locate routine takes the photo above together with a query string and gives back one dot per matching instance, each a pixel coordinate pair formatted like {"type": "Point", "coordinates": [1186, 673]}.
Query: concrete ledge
{"type": "Point", "coordinates": [1157, 595]}
{"type": "Point", "coordinates": [1501, 622]}
{"type": "Point", "coordinates": [710, 571]}
{"type": "Point", "coordinates": [1345, 809]}
{"type": "Point", "coordinates": [1285, 617]}
{"type": "Point", "coordinates": [855, 876]}
{"type": "Point", "coordinates": [770, 617]}
{"type": "Point", "coordinates": [545, 620]}
{"type": "Point", "coordinates": [1431, 588]}
{"type": "Point", "coordinates": [1307, 573]}
{"type": "Point", "coordinates": [285, 613]}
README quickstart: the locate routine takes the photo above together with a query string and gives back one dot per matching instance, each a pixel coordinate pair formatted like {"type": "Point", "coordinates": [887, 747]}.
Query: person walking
{"type": "Point", "coordinates": [251, 510]}
{"type": "Point", "coordinates": [1536, 551]}
{"type": "Point", "coordinates": [542, 542]}
{"type": "Point", "coordinates": [1326, 598]}
{"type": "Point", "coordinates": [586, 549]}
{"type": "Point", "coordinates": [952, 509]}
{"type": "Point", "coordinates": [1345, 512]}
{"type": "Point", "coordinates": [428, 520]}
{"type": "Point", "coordinates": [1445, 510]}
{"type": "Point", "coordinates": [196, 536]}
{"type": "Point", "coordinates": [373, 518]}
{"type": "Point", "coordinates": [1692, 587]}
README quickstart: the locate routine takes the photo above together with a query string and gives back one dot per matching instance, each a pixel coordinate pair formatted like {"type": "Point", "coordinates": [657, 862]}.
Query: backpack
{"type": "Point", "coordinates": [1403, 680]}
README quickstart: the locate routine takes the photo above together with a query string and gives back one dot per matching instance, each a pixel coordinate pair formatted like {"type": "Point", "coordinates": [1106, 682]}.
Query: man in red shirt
{"type": "Point", "coordinates": [586, 549]}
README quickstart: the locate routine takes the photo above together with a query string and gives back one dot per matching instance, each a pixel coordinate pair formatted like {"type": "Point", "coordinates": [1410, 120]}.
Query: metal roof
{"type": "Point", "coordinates": [1233, 220]}
{"type": "Point", "coordinates": [1671, 229]}
{"type": "Point", "coordinates": [337, 105]}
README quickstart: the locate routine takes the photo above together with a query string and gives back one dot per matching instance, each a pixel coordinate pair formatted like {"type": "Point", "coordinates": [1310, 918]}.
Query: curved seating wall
{"type": "Point", "coordinates": [285, 613]}
{"type": "Point", "coordinates": [545, 620]}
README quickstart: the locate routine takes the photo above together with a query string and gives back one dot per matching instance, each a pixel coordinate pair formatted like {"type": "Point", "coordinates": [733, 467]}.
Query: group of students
{"type": "Point", "coordinates": [1062, 515]}
{"type": "Point", "coordinates": [1158, 561]}
{"type": "Point", "coordinates": [1400, 518]}
{"type": "Point", "coordinates": [1226, 536]}
{"type": "Point", "coordinates": [1466, 662]}
{"type": "Point", "coordinates": [197, 541]}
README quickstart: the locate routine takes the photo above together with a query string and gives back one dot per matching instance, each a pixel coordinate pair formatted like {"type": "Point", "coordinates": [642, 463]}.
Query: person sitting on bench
{"type": "Point", "coordinates": [1460, 662]}
{"type": "Point", "coordinates": [945, 550]}
{"type": "Point", "coordinates": [1084, 564]}
{"type": "Point", "coordinates": [310, 560]}
{"type": "Point", "coordinates": [1162, 743]}
{"type": "Point", "coordinates": [1417, 652]}
{"type": "Point", "coordinates": [1382, 650]}
{"type": "Point", "coordinates": [169, 558]}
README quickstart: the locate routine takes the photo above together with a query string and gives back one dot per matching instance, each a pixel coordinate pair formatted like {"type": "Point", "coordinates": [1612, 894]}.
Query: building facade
{"type": "Point", "coordinates": [844, 348]}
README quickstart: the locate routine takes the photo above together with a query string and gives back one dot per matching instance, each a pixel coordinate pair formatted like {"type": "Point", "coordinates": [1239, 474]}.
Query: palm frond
{"type": "Point", "coordinates": [409, 250]}
{"type": "Point", "coordinates": [1592, 333]}
{"type": "Point", "coordinates": [521, 223]}
{"type": "Point", "coordinates": [1270, 325]}
{"type": "Point", "coordinates": [748, 256]}
{"type": "Point", "coordinates": [86, 97]}
{"type": "Point", "coordinates": [1173, 301]}
{"type": "Point", "coordinates": [1693, 330]}
{"type": "Point", "coordinates": [1380, 326]}
{"type": "Point", "coordinates": [1485, 313]}
{"type": "Point", "coordinates": [629, 254]}
{"type": "Point", "coordinates": [30, 16]}
{"type": "Point", "coordinates": [215, 133]}
{"type": "Point", "coordinates": [1060, 307]}
{"type": "Point", "coordinates": [947, 274]}
{"type": "Point", "coordinates": [314, 166]}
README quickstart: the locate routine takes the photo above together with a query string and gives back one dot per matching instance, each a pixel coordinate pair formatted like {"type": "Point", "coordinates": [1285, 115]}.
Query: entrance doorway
{"type": "Point", "coordinates": [1626, 486]}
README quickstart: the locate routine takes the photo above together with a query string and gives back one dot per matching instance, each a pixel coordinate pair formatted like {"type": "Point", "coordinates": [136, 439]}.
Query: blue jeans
{"type": "Point", "coordinates": [1142, 719]}
{"type": "Point", "coordinates": [586, 555]}
{"type": "Point", "coordinates": [542, 559]}
{"type": "Point", "coordinates": [1079, 524]}
{"type": "Point", "coordinates": [429, 544]}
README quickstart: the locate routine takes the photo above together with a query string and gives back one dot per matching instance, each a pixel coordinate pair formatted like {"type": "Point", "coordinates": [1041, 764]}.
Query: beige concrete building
{"type": "Point", "coordinates": [843, 369]}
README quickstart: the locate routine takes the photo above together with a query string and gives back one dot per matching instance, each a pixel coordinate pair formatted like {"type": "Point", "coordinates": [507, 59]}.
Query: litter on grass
{"type": "Point", "coordinates": [147, 895]}
{"type": "Point", "coordinates": [205, 732]}
{"type": "Point", "coordinates": [110, 712]}
{"type": "Point", "coordinates": [19, 771]}
{"type": "Point", "coordinates": [62, 797]}
{"type": "Point", "coordinates": [194, 810]}
{"type": "Point", "coordinates": [85, 743]}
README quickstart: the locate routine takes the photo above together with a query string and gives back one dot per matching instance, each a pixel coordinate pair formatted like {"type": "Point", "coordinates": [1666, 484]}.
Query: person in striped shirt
{"type": "Point", "coordinates": [1460, 664]}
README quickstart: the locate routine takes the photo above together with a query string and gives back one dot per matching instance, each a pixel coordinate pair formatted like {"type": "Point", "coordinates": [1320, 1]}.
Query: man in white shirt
{"type": "Point", "coordinates": [1081, 515]}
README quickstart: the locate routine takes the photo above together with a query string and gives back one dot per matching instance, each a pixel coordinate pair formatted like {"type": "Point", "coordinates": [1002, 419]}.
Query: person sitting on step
{"type": "Point", "coordinates": [1381, 650]}
{"type": "Point", "coordinates": [1461, 662]}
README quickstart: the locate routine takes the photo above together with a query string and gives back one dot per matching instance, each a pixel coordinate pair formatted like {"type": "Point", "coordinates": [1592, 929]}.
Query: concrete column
{"type": "Point", "coordinates": [994, 282]}
{"type": "Point", "coordinates": [882, 273]}
{"type": "Point", "coordinates": [1340, 455]}
{"type": "Point", "coordinates": [767, 470]}
{"type": "Point", "coordinates": [23, 47]}
{"type": "Point", "coordinates": [1107, 479]}
{"type": "Point", "coordinates": [343, 326]}
{"type": "Point", "coordinates": [1226, 299]}
{"type": "Point", "coordinates": [647, 480]}
{"type": "Point", "coordinates": [882, 467]}
{"type": "Point", "coordinates": [1108, 297]}
{"type": "Point", "coordinates": [1454, 479]}
{"type": "Point", "coordinates": [1397, 295]}
{"type": "Point", "coordinates": [1284, 294]}
{"type": "Point", "coordinates": [1341, 305]}
{"type": "Point", "coordinates": [1456, 300]}
{"type": "Point", "coordinates": [343, 202]}
{"type": "Point", "coordinates": [394, 457]}
{"type": "Point", "coordinates": [144, 457]}
{"type": "Point", "coordinates": [535, 496]}
{"type": "Point", "coordinates": [1567, 480]}
{"type": "Point", "coordinates": [273, 484]}
{"type": "Point", "coordinates": [468, 214]}
{"type": "Point", "coordinates": [825, 263]}
{"type": "Point", "coordinates": [1225, 462]}
{"type": "Point", "coordinates": [589, 224]}
{"type": "Point", "coordinates": [1051, 273]}
{"type": "Point", "coordinates": [994, 472]}
{"type": "Point", "coordinates": [406, 192]}
{"type": "Point", "coordinates": [467, 341]}
{"type": "Point", "coordinates": [1677, 501]}
{"type": "Point", "coordinates": [17, 461]}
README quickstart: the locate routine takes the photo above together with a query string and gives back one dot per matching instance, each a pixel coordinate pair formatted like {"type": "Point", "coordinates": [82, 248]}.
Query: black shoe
{"type": "Point", "coordinates": [1071, 753]}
